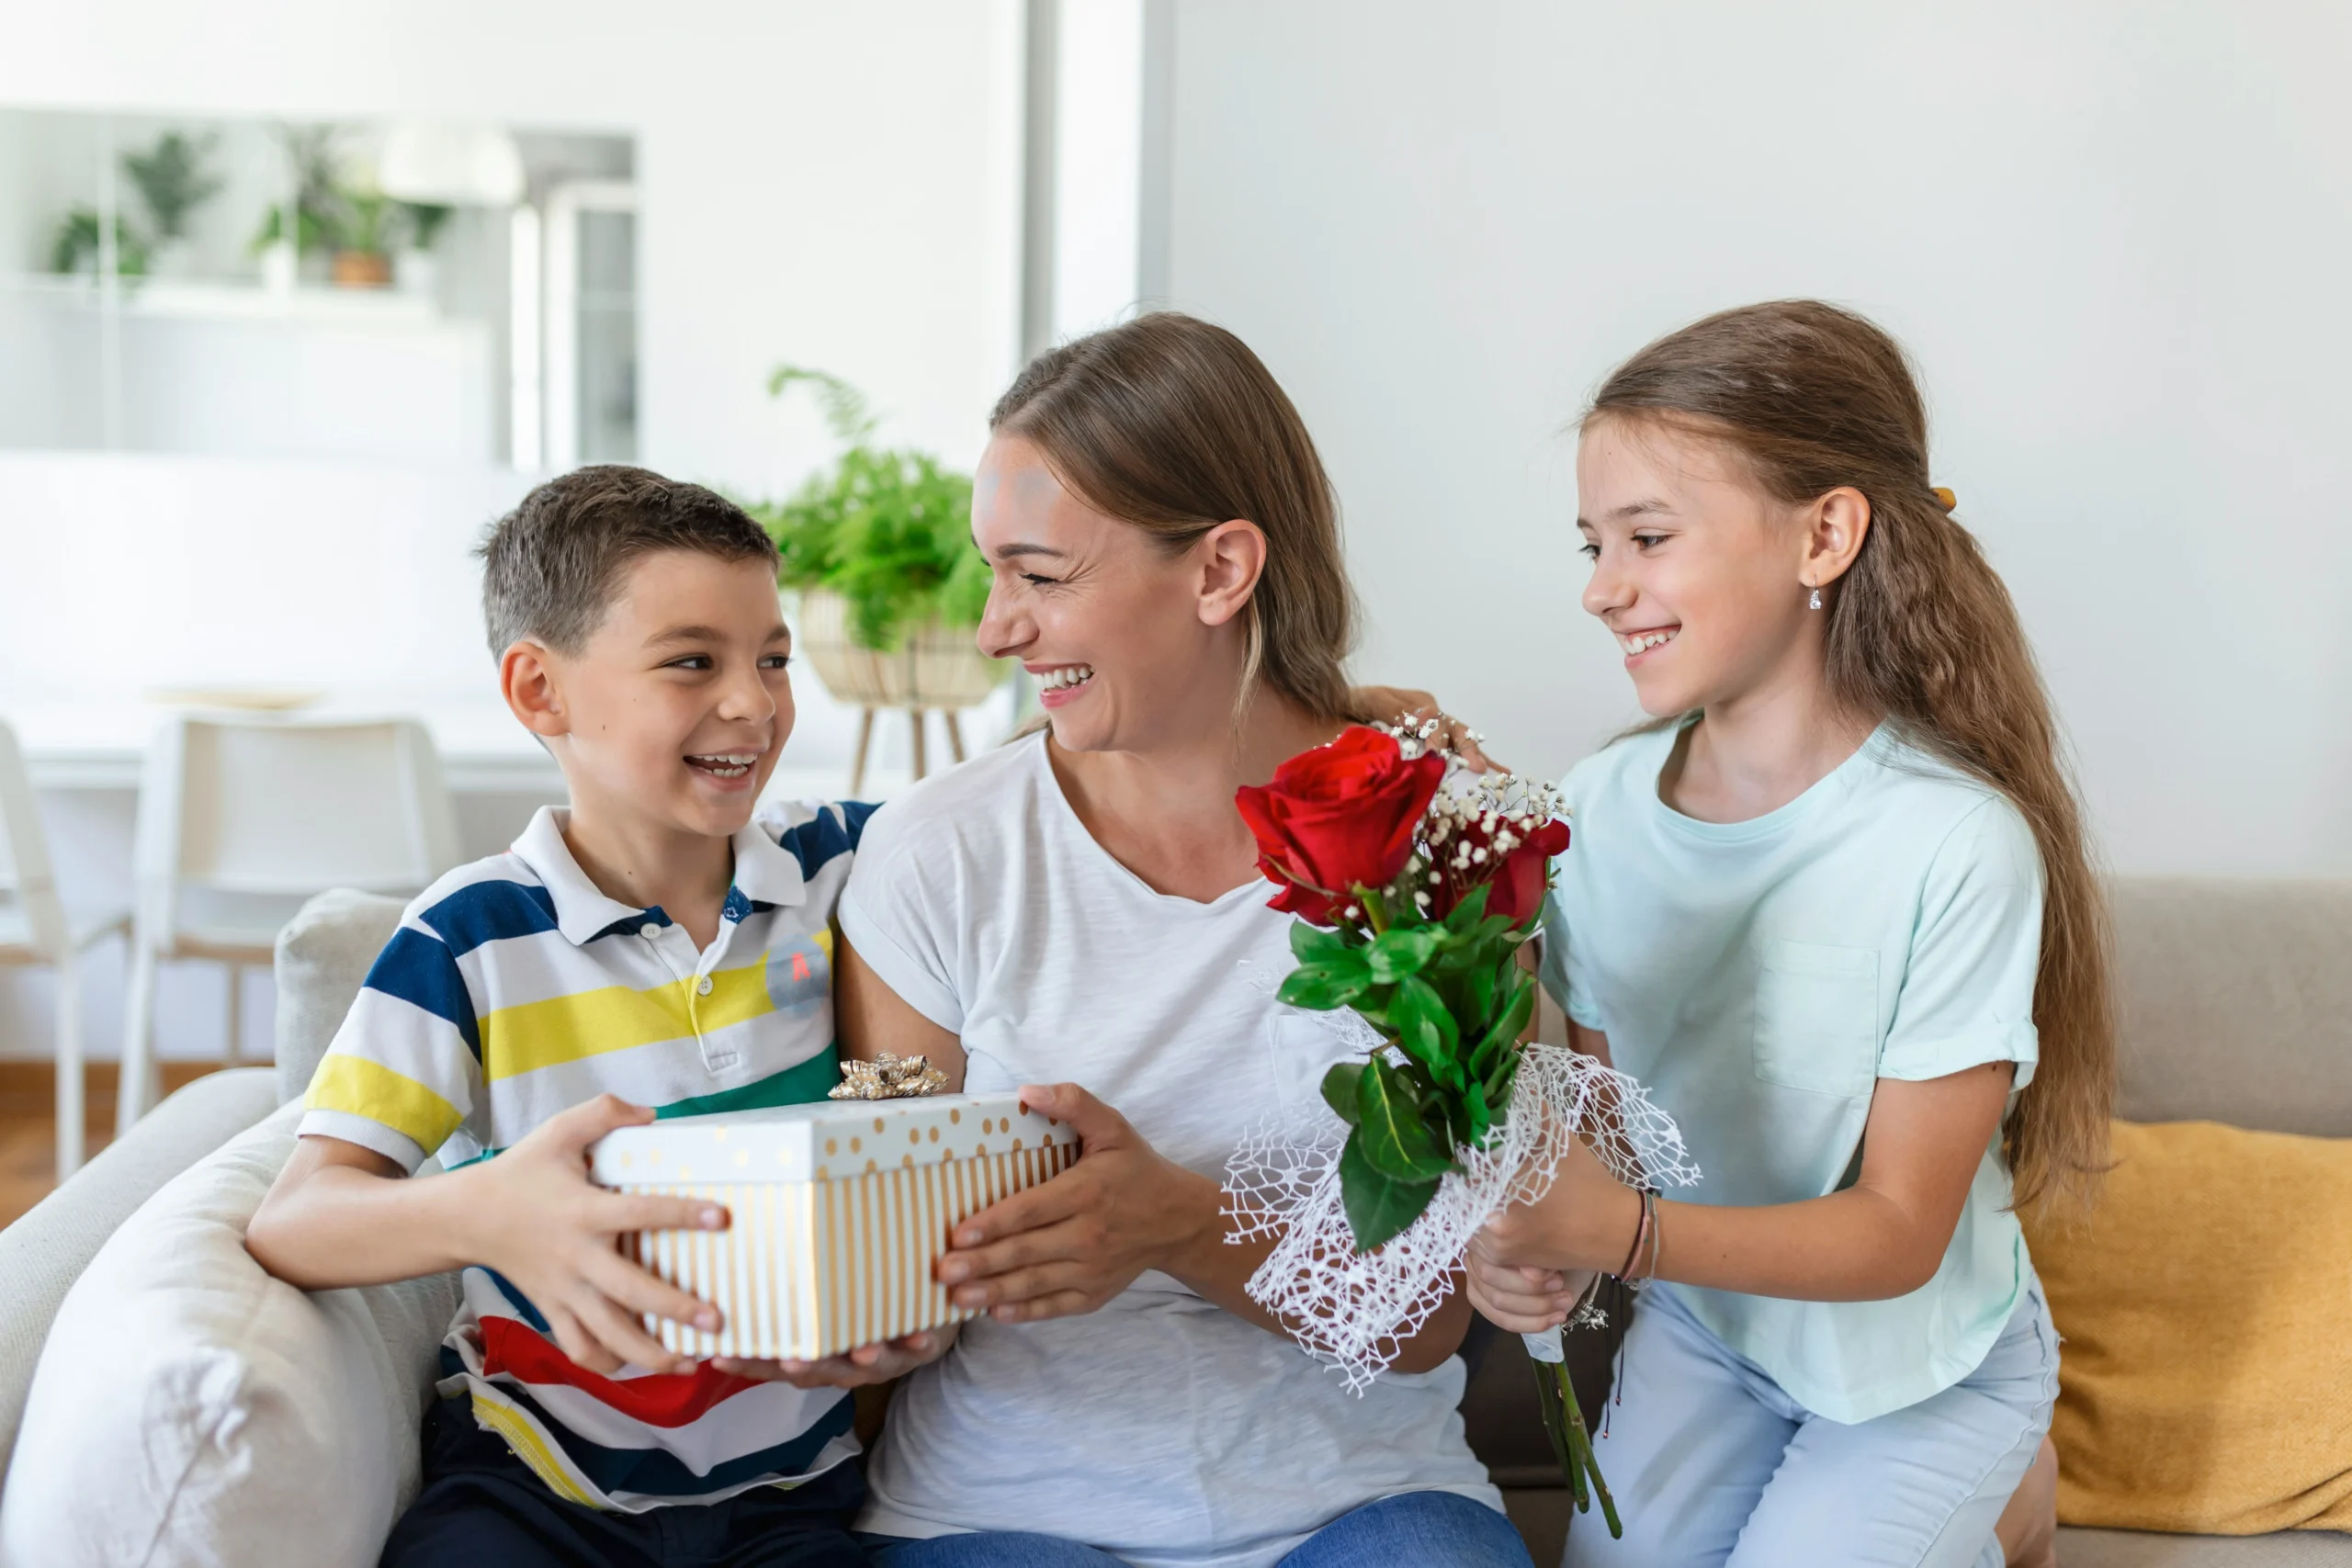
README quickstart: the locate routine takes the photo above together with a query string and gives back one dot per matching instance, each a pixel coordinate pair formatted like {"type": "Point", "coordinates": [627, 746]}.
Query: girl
{"type": "Point", "coordinates": [1834, 908]}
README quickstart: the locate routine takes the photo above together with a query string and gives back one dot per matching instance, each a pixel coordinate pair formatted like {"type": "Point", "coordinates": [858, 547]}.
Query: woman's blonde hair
{"type": "Point", "coordinates": [1173, 425]}
{"type": "Point", "coordinates": [1921, 630]}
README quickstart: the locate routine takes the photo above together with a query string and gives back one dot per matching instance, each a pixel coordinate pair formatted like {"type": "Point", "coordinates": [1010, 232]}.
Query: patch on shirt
{"type": "Point", "coordinates": [801, 977]}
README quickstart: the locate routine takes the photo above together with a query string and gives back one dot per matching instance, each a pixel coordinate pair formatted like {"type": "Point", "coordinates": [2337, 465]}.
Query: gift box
{"type": "Point", "coordinates": [839, 1210]}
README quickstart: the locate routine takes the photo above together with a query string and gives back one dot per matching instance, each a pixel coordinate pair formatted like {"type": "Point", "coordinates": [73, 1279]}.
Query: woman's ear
{"type": "Point", "coordinates": [1836, 527]}
{"type": "Point", "coordinates": [526, 678]}
{"type": "Point", "coordinates": [1232, 557]}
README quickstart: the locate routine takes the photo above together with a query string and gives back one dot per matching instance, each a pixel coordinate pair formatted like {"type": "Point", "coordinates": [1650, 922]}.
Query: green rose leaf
{"type": "Point", "coordinates": [1501, 1040]}
{"type": "Point", "coordinates": [1378, 1205]}
{"type": "Point", "coordinates": [1401, 951]}
{"type": "Point", "coordinates": [1312, 944]}
{"type": "Point", "coordinates": [1426, 1030]}
{"type": "Point", "coordinates": [1391, 1131]}
{"type": "Point", "coordinates": [1319, 988]}
{"type": "Point", "coordinates": [1469, 913]}
{"type": "Point", "coordinates": [1339, 1089]}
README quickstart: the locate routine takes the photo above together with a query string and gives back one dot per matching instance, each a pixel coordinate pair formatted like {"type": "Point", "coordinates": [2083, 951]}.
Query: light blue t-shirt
{"type": "Point", "coordinates": [1760, 976]}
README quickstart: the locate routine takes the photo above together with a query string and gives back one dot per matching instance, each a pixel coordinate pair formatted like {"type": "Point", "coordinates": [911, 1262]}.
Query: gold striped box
{"type": "Point", "coordinates": [838, 1211]}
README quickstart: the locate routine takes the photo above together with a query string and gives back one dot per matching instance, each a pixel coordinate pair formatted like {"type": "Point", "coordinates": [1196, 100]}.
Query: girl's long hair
{"type": "Point", "coordinates": [1921, 630]}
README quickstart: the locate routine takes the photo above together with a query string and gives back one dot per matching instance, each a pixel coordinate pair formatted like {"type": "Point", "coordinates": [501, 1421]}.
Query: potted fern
{"type": "Point", "coordinates": [879, 548]}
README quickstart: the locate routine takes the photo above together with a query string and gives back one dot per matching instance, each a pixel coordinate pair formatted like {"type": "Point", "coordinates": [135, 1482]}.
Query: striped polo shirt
{"type": "Point", "coordinates": [515, 989]}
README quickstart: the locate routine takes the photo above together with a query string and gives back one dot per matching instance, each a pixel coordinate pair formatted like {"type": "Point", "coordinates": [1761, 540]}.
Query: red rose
{"type": "Point", "coordinates": [1516, 889]}
{"type": "Point", "coordinates": [1339, 817]}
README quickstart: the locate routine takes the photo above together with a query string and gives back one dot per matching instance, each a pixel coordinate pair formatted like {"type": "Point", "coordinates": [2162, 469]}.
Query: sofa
{"type": "Point", "coordinates": [2265, 967]}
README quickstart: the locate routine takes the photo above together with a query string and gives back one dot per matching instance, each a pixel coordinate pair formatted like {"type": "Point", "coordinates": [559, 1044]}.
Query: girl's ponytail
{"type": "Point", "coordinates": [1919, 629]}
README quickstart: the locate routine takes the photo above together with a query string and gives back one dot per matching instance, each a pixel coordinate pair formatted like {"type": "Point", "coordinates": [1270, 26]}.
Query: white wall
{"type": "Point", "coordinates": [2118, 239]}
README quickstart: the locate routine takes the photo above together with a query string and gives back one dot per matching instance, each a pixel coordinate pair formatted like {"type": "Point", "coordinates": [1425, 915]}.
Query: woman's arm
{"type": "Point", "coordinates": [1069, 1246]}
{"type": "Point", "coordinates": [1883, 1237]}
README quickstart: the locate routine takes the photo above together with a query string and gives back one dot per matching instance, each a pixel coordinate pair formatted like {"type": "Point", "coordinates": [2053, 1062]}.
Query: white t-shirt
{"type": "Point", "coordinates": [1762, 976]}
{"type": "Point", "coordinates": [1162, 1429]}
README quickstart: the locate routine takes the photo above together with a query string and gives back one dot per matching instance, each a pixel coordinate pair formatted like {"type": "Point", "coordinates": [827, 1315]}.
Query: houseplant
{"type": "Point", "coordinates": [174, 178]}
{"type": "Point", "coordinates": [880, 547]}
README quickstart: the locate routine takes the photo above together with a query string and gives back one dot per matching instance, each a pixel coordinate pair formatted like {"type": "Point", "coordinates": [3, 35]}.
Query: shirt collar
{"type": "Point", "coordinates": [764, 873]}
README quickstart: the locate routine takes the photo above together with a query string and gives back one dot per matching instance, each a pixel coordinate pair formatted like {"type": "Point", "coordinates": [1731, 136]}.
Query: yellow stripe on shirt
{"type": "Point", "coordinates": [359, 1086]}
{"type": "Point", "coordinates": [531, 1036]}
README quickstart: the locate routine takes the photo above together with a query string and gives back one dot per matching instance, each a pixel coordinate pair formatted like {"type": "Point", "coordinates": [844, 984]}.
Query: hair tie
{"type": "Point", "coordinates": [1944, 498]}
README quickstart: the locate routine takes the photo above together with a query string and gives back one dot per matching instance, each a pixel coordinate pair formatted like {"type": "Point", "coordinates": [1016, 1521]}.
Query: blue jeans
{"type": "Point", "coordinates": [1713, 1466]}
{"type": "Point", "coordinates": [1424, 1529]}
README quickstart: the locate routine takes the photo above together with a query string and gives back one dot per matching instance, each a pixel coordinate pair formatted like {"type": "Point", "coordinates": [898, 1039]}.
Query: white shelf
{"type": "Point", "coordinates": [189, 298]}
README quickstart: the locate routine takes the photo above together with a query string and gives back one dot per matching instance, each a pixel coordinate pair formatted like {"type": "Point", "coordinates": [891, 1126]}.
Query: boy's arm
{"type": "Point", "coordinates": [340, 1214]}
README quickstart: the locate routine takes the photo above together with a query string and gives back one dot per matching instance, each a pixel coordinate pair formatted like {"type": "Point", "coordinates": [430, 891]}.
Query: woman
{"type": "Point", "coordinates": [1083, 909]}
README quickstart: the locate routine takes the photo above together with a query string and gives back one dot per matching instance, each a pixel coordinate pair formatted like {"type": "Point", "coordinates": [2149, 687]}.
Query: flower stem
{"type": "Point", "coordinates": [1572, 1442]}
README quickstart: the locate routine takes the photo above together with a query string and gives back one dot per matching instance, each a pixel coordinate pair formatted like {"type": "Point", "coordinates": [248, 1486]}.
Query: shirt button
{"type": "Point", "coordinates": [648, 931]}
{"type": "Point", "coordinates": [703, 989]}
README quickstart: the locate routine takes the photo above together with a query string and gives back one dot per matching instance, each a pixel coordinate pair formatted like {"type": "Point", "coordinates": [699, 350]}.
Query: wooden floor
{"type": "Point", "coordinates": [28, 1125]}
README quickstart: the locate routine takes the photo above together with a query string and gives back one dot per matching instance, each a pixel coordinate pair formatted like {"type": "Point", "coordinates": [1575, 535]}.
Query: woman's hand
{"type": "Point", "coordinates": [851, 1369]}
{"type": "Point", "coordinates": [1070, 1245]}
{"type": "Point", "coordinates": [1522, 1301]}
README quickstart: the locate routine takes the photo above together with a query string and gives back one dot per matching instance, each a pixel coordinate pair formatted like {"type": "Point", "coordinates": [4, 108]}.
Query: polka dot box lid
{"type": "Point", "coordinates": [821, 1141]}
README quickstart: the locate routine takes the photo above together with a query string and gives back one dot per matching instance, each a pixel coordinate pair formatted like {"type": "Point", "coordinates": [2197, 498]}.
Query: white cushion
{"type": "Point", "coordinates": [190, 1409]}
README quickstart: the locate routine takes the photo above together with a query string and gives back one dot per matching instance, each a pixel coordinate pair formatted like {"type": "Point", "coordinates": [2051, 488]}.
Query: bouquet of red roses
{"type": "Point", "coordinates": [1416, 884]}
{"type": "Point", "coordinates": [1413, 901]}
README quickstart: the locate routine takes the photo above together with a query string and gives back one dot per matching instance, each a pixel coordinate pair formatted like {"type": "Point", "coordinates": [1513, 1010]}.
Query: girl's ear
{"type": "Point", "coordinates": [1834, 526]}
{"type": "Point", "coordinates": [526, 678]}
{"type": "Point", "coordinates": [1232, 558]}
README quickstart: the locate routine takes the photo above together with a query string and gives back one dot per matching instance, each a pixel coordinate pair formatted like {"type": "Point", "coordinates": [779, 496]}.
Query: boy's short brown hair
{"type": "Point", "coordinates": [552, 567]}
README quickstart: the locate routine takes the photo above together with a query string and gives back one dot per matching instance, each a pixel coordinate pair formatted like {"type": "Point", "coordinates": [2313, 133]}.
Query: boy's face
{"type": "Point", "coordinates": [675, 711]}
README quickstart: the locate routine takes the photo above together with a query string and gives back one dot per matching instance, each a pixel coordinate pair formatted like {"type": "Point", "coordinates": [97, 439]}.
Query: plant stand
{"type": "Point", "coordinates": [922, 749]}
{"type": "Point", "coordinates": [937, 669]}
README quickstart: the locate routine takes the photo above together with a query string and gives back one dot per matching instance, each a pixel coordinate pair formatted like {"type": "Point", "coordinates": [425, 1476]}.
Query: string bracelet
{"type": "Point", "coordinates": [1641, 1235]}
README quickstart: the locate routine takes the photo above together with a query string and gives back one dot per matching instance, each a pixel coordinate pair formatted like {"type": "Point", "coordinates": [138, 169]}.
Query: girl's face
{"type": "Point", "coordinates": [1702, 578]}
{"type": "Point", "coordinates": [1133, 648]}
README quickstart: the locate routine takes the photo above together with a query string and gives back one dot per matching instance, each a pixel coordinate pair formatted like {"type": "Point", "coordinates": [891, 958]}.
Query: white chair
{"type": "Point", "coordinates": [36, 929]}
{"type": "Point", "coordinates": [240, 818]}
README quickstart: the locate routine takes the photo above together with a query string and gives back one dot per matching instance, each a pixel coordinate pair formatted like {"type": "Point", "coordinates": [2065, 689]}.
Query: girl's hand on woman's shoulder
{"type": "Point", "coordinates": [1069, 1246]}
{"type": "Point", "coordinates": [1387, 705]}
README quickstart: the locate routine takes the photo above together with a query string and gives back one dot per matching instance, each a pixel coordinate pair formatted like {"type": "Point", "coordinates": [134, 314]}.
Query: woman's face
{"type": "Point", "coordinates": [1132, 646]}
{"type": "Point", "coordinates": [1701, 577]}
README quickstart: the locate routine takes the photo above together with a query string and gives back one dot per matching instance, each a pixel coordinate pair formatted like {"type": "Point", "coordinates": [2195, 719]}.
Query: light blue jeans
{"type": "Point", "coordinates": [1713, 1466]}
{"type": "Point", "coordinates": [1425, 1529]}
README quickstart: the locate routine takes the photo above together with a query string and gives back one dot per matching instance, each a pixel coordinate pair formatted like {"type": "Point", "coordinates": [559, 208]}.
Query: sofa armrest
{"type": "Point", "coordinates": [42, 1254]}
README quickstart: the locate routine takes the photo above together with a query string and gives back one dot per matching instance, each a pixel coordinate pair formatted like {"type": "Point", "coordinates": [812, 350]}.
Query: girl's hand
{"type": "Point", "coordinates": [851, 1369]}
{"type": "Point", "coordinates": [1071, 1244]}
{"type": "Point", "coordinates": [1585, 1222]}
{"type": "Point", "coordinates": [1388, 704]}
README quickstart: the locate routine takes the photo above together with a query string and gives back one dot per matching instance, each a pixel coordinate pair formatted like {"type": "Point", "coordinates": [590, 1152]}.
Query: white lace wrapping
{"type": "Point", "coordinates": [1355, 1309]}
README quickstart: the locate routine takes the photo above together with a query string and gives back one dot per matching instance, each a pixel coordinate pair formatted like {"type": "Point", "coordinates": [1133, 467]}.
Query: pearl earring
{"type": "Point", "coordinates": [1815, 602]}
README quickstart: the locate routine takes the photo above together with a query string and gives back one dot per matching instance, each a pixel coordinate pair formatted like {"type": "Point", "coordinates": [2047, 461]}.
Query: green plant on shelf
{"type": "Point", "coordinates": [77, 247]}
{"type": "Point", "coordinates": [888, 529]}
{"type": "Point", "coordinates": [172, 178]}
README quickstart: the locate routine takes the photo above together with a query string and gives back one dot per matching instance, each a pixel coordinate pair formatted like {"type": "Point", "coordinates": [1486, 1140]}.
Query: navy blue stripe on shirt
{"type": "Point", "coordinates": [818, 839]}
{"type": "Point", "coordinates": [490, 911]}
{"type": "Point", "coordinates": [854, 813]}
{"type": "Point", "coordinates": [424, 974]}
{"type": "Point", "coordinates": [657, 1473]}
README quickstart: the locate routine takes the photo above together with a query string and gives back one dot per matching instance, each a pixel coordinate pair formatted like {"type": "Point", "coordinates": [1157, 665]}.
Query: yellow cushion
{"type": "Point", "coordinates": [2206, 1310]}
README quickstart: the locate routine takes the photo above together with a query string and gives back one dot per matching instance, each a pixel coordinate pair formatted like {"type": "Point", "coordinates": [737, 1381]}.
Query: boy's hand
{"type": "Point", "coordinates": [853, 1369]}
{"type": "Point", "coordinates": [536, 1218]}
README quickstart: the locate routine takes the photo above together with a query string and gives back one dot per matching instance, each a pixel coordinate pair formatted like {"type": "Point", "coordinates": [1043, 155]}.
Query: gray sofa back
{"type": "Point", "coordinates": [2236, 1003]}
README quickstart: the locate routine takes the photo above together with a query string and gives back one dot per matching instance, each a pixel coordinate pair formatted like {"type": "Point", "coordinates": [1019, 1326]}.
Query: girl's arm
{"type": "Point", "coordinates": [1070, 1245]}
{"type": "Point", "coordinates": [1883, 1237]}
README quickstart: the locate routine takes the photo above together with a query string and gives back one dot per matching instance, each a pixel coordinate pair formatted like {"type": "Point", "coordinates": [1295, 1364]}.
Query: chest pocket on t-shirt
{"type": "Point", "coordinates": [800, 977]}
{"type": "Point", "coordinates": [1816, 1017]}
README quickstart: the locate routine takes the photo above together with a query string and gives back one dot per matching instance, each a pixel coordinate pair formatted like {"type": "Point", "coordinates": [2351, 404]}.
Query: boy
{"type": "Point", "coordinates": [653, 947]}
